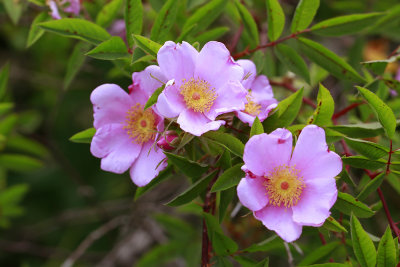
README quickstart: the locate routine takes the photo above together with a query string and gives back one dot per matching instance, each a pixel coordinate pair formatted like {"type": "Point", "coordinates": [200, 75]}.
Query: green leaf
{"type": "Point", "coordinates": [35, 31]}
{"type": "Point", "coordinates": [348, 204]}
{"type": "Point", "coordinates": [108, 13]}
{"type": "Point", "coordinates": [286, 112]}
{"type": "Point", "coordinates": [203, 17]}
{"type": "Point", "coordinates": [376, 66]}
{"type": "Point", "coordinates": [133, 19]}
{"type": "Point", "coordinates": [345, 24]}
{"type": "Point", "coordinates": [7, 124]}
{"type": "Point", "coordinates": [14, 9]}
{"type": "Point", "coordinates": [369, 149]}
{"type": "Point", "coordinates": [4, 73]}
{"type": "Point", "coordinates": [304, 15]}
{"type": "Point", "coordinates": [329, 60]}
{"type": "Point", "coordinates": [5, 107]}
{"type": "Point", "coordinates": [371, 186]}
{"type": "Point", "coordinates": [228, 141]}
{"type": "Point", "coordinates": [77, 28]}
{"type": "Point", "coordinates": [266, 245]}
{"type": "Point", "coordinates": [75, 62]}
{"type": "Point", "coordinates": [19, 163]}
{"type": "Point", "coordinates": [326, 105]}
{"type": "Point", "coordinates": [331, 264]}
{"type": "Point", "coordinates": [186, 166]}
{"type": "Point", "coordinates": [226, 198]}
{"type": "Point", "coordinates": [256, 128]}
{"type": "Point", "coordinates": [164, 21]}
{"type": "Point", "coordinates": [13, 194]}
{"type": "Point", "coordinates": [293, 61]}
{"type": "Point", "coordinates": [333, 225]}
{"type": "Point", "coordinates": [113, 48]}
{"type": "Point", "coordinates": [154, 97]}
{"type": "Point", "coordinates": [276, 19]}
{"type": "Point", "coordinates": [391, 17]}
{"type": "Point", "coordinates": [249, 24]}
{"type": "Point", "coordinates": [161, 254]}
{"type": "Point", "coordinates": [345, 176]}
{"type": "Point", "coordinates": [166, 173]}
{"type": "Point", "coordinates": [213, 34]}
{"type": "Point", "coordinates": [147, 45]}
{"type": "Point", "coordinates": [23, 144]}
{"type": "Point", "coordinates": [193, 191]}
{"type": "Point", "coordinates": [84, 136]}
{"type": "Point", "coordinates": [363, 162]}
{"type": "Point", "coordinates": [363, 246]}
{"type": "Point", "coordinates": [383, 112]}
{"type": "Point", "coordinates": [319, 253]}
{"type": "Point", "coordinates": [231, 177]}
{"type": "Point", "coordinates": [361, 130]}
{"type": "Point", "coordinates": [386, 256]}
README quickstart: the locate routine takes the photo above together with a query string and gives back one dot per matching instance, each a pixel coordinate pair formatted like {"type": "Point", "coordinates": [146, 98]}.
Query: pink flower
{"type": "Point", "coordinates": [288, 191]}
{"type": "Point", "coordinates": [125, 133]}
{"type": "Point", "coordinates": [165, 143]}
{"type": "Point", "coordinates": [260, 98]}
{"type": "Point", "coordinates": [202, 85]}
{"type": "Point", "coordinates": [71, 6]}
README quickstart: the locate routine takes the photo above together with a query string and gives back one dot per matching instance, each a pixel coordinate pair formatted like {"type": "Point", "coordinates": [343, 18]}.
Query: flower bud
{"type": "Point", "coordinates": [167, 142]}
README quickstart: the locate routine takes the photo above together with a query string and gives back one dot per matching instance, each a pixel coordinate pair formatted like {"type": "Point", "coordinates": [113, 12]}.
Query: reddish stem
{"type": "Point", "coordinates": [323, 241]}
{"type": "Point", "coordinates": [248, 51]}
{"type": "Point", "coordinates": [390, 158]}
{"type": "Point", "coordinates": [345, 110]}
{"type": "Point", "coordinates": [291, 88]}
{"type": "Point", "coordinates": [236, 39]}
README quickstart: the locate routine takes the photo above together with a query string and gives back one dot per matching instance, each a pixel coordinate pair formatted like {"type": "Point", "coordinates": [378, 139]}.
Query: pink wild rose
{"type": "Point", "coordinates": [286, 190]}
{"type": "Point", "coordinates": [125, 133]}
{"type": "Point", "coordinates": [260, 98]}
{"type": "Point", "coordinates": [202, 85]}
{"type": "Point", "coordinates": [69, 6]}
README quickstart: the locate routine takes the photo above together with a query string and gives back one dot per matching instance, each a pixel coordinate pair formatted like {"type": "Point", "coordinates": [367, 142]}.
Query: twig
{"type": "Point", "coordinates": [346, 110]}
{"type": "Point", "coordinates": [289, 253]}
{"type": "Point", "coordinates": [236, 39]}
{"type": "Point", "coordinates": [292, 89]}
{"type": "Point", "coordinates": [91, 238]}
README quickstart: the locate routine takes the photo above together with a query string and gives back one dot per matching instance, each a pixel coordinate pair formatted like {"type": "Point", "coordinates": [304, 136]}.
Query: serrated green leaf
{"type": "Point", "coordinates": [213, 34]}
{"type": "Point", "coordinates": [108, 13]}
{"type": "Point", "coordinates": [231, 177]}
{"type": "Point", "coordinates": [77, 28]}
{"type": "Point", "coordinates": [363, 162]}
{"type": "Point", "coordinates": [293, 61]}
{"type": "Point", "coordinates": [256, 128]}
{"type": "Point", "coordinates": [361, 130]}
{"type": "Point", "coordinates": [249, 24]}
{"type": "Point", "coordinates": [133, 19]}
{"type": "Point", "coordinates": [348, 204]}
{"type": "Point", "coordinates": [275, 18]}
{"type": "Point", "coordinates": [19, 163]}
{"type": "Point", "coordinates": [84, 136]}
{"type": "Point", "coordinates": [326, 105]}
{"type": "Point", "coordinates": [35, 31]}
{"type": "Point", "coordinates": [371, 186]}
{"type": "Point", "coordinates": [386, 256]}
{"type": "Point", "coordinates": [202, 18]}
{"type": "Point", "coordinates": [363, 246]}
{"type": "Point", "coordinates": [329, 60]}
{"type": "Point", "coordinates": [166, 173]}
{"type": "Point", "coordinates": [369, 149]}
{"type": "Point", "coordinates": [344, 25]}
{"type": "Point", "coordinates": [319, 253]}
{"type": "Point", "coordinates": [75, 62]}
{"type": "Point", "coordinates": [113, 48]}
{"type": "Point", "coordinates": [154, 97]}
{"type": "Point", "coordinates": [333, 225]}
{"type": "Point", "coordinates": [304, 15]}
{"type": "Point", "coordinates": [164, 21]}
{"type": "Point", "coordinates": [383, 112]}
{"type": "Point", "coordinates": [193, 191]}
{"type": "Point", "coordinates": [4, 73]}
{"type": "Point", "coordinates": [228, 141]}
{"type": "Point", "coordinates": [147, 45]}
{"type": "Point", "coordinates": [186, 166]}
{"type": "Point", "coordinates": [286, 112]}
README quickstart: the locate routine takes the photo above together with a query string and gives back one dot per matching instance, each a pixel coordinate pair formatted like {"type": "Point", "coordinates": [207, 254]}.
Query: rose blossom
{"type": "Point", "coordinates": [260, 98]}
{"type": "Point", "coordinates": [125, 133]}
{"type": "Point", "coordinates": [286, 191]}
{"type": "Point", "coordinates": [72, 6]}
{"type": "Point", "coordinates": [202, 85]}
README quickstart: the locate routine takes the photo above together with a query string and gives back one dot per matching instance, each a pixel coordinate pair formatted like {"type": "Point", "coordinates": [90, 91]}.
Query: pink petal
{"type": "Point", "coordinates": [145, 81]}
{"type": "Point", "coordinates": [312, 157]}
{"type": "Point", "coordinates": [262, 92]}
{"type": "Point", "coordinates": [249, 119]}
{"type": "Point", "coordinates": [317, 198]}
{"type": "Point", "coordinates": [139, 96]}
{"type": "Point", "coordinates": [170, 102]}
{"type": "Point", "coordinates": [231, 97]}
{"type": "Point", "coordinates": [265, 110]}
{"type": "Point", "coordinates": [215, 65]}
{"type": "Point", "coordinates": [54, 10]}
{"type": "Point", "coordinates": [197, 123]}
{"type": "Point", "coordinates": [279, 219]}
{"type": "Point", "coordinates": [74, 7]}
{"type": "Point", "coordinates": [147, 166]}
{"type": "Point", "coordinates": [177, 61]}
{"type": "Point", "coordinates": [252, 193]}
{"type": "Point", "coordinates": [264, 152]}
{"type": "Point", "coordinates": [110, 104]}
{"type": "Point", "coordinates": [113, 145]}
{"type": "Point", "coordinates": [250, 72]}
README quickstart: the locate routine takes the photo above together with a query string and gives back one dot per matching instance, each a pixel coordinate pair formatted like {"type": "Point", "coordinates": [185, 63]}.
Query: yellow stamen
{"type": "Point", "coordinates": [140, 124]}
{"type": "Point", "coordinates": [251, 107]}
{"type": "Point", "coordinates": [198, 94]}
{"type": "Point", "coordinates": [284, 186]}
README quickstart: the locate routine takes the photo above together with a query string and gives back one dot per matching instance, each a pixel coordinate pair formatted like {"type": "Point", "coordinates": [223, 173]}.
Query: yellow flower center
{"type": "Point", "coordinates": [251, 107]}
{"type": "Point", "coordinates": [140, 124]}
{"type": "Point", "coordinates": [198, 94]}
{"type": "Point", "coordinates": [284, 186]}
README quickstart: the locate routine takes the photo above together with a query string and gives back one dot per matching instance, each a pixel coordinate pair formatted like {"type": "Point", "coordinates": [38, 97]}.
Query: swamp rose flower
{"type": "Point", "coordinates": [69, 6]}
{"type": "Point", "coordinates": [125, 133]}
{"type": "Point", "coordinates": [288, 191]}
